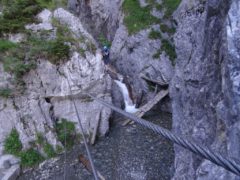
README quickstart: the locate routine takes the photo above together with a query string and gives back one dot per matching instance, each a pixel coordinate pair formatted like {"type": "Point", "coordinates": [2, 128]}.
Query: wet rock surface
{"type": "Point", "coordinates": [133, 56]}
{"type": "Point", "coordinates": [129, 152]}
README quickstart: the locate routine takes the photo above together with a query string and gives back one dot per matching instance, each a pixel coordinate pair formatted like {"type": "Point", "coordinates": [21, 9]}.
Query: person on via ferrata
{"type": "Point", "coordinates": [105, 53]}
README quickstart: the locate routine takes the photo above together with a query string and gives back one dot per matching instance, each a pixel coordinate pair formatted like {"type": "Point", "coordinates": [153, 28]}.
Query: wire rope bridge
{"type": "Point", "coordinates": [216, 158]}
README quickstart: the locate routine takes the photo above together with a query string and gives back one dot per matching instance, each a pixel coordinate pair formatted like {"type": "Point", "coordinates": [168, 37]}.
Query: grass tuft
{"type": "Point", "coordinates": [69, 134]}
{"type": "Point", "coordinates": [12, 144]}
{"type": "Point", "coordinates": [104, 41]}
{"type": "Point", "coordinates": [5, 92]}
{"type": "Point", "coordinates": [169, 49]}
{"type": "Point", "coordinates": [137, 18]}
{"type": "Point", "coordinates": [165, 29]}
{"type": "Point", "coordinates": [48, 149]}
{"type": "Point", "coordinates": [7, 45]}
{"type": "Point", "coordinates": [155, 35]}
{"type": "Point", "coordinates": [17, 13]}
{"type": "Point", "coordinates": [170, 6]}
{"type": "Point", "coordinates": [30, 158]}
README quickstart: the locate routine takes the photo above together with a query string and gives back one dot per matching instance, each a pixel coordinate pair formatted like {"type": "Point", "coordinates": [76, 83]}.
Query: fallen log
{"type": "Point", "coordinates": [87, 165]}
{"type": "Point", "coordinates": [159, 82]}
{"type": "Point", "coordinates": [93, 138]}
{"type": "Point", "coordinates": [147, 107]}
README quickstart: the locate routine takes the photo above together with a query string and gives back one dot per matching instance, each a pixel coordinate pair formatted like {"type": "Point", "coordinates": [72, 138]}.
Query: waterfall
{"type": "Point", "coordinates": [129, 105]}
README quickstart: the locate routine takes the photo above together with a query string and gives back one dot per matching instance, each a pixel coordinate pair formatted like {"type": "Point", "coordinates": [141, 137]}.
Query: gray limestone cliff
{"type": "Point", "coordinates": [46, 98]}
{"type": "Point", "coordinates": [204, 84]}
{"type": "Point", "coordinates": [205, 87]}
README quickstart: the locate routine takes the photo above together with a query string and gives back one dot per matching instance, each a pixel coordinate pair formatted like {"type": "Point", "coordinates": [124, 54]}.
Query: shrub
{"type": "Point", "coordinates": [17, 67]}
{"type": "Point", "coordinates": [48, 149]}
{"type": "Point", "coordinates": [52, 4]}
{"type": "Point", "coordinates": [54, 50]}
{"type": "Point", "coordinates": [170, 6]}
{"type": "Point", "coordinates": [59, 149]}
{"type": "Point", "coordinates": [5, 92]}
{"type": "Point", "coordinates": [58, 50]}
{"type": "Point", "coordinates": [30, 157]}
{"type": "Point", "coordinates": [137, 18]}
{"type": "Point", "coordinates": [169, 49]}
{"type": "Point", "coordinates": [104, 41]}
{"type": "Point", "coordinates": [40, 139]}
{"type": "Point", "coordinates": [6, 45]}
{"type": "Point", "coordinates": [12, 144]}
{"type": "Point", "coordinates": [66, 129]}
{"type": "Point", "coordinates": [164, 28]}
{"type": "Point", "coordinates": [155, 34]}
{"type": "Point", "coordinates": [17, 13]}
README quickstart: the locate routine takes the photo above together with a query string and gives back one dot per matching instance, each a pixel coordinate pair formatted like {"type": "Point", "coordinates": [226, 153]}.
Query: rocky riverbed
{"type": "Point", "coordinates": [127, 152]}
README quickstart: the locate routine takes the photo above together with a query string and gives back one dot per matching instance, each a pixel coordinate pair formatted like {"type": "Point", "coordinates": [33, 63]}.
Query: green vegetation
{"type": "Point", "coordinates": [17, 66]}
{"type": "Point", "coordinates": [55, 50]}
{"type": "Point", "coordinates": [169, 49]}
{"type": "Point", "coordinates": [30, 157]}
{"type": "Point", "coordinates": [48, 149]}
{"type": "Point", "coordinates": [6, 45]}
{"type": "Point", "coordinates": [159, 7]}
{"type": "Point", "coordinates": [52, 4]}
{"type": "Point", "coordinates": [12, 144]}
{"type": "Point", "coordinates": [170, 6]}
{"type": "Point", "coordinates": [58, 50]}
{"type": "Point", "coordinates": [16, 14]}
{"type": "Point", "coordinates": [104, 41]}
{"type": "Point", "coordinates": [40, 139]}
{"type": "Point", "coordinates": [155, 34]}
{"type": "Point", "coordinates": [165, 29]}
{"type": "Point", "coordinates": [64, 34]}
{"type": "Point", "coordinates": [137, 18]}
{"type": "Point", "coordinates": [66, 131]}
{"type": "Point", "coordinates": [21, 59]}
{"type": "Point", "coordinates": [59, 149]}
{"type": "Point", "coordinates": [5, 92]}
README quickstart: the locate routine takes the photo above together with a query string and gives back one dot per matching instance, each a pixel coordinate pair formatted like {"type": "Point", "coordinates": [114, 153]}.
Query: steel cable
{"type": "Point", "coordinates": [84, 138]}
{"type": "Point", "coordinates": [206, 153]}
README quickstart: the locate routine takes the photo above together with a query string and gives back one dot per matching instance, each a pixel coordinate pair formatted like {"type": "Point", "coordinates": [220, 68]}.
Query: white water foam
{"type": "Point", "coordinates": [129, 106]}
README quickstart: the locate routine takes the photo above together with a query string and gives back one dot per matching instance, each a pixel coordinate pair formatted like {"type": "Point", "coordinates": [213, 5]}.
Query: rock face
{"type": "Point", "coordinates": [46, 98]}
{"type": "Point", "coordinates": [9, 167]}
{"type": "Point", "coordinates": [99, 17]}
{"type": "Point", "coordinates": [132, 56]}
{"type": "Point", "coordinates": [205, 87]}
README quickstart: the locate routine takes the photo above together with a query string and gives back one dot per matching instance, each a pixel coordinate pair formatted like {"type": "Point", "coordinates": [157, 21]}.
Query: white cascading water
{"type": "Point", "coordinates": [129, 106]}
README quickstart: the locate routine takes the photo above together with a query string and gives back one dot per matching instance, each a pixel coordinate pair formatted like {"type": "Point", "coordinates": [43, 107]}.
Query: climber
{"type": "Point", "coordinates": [105, 53]}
